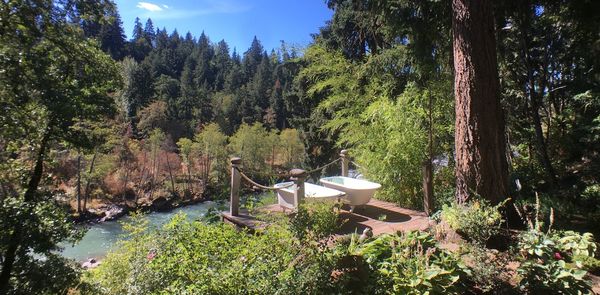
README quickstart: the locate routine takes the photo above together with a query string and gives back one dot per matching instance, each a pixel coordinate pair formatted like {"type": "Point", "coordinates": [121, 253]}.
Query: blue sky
{"type": "Point", "coordinates": [236, 21]}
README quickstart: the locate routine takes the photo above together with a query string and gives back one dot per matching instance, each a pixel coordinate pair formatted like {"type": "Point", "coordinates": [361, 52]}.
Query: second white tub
{"type": "Point", "coordinates": [312, 192]}
{"type": "Point", "coordinates": [358, 191]}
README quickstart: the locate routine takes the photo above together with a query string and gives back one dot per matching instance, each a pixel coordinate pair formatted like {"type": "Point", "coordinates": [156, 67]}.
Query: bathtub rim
{"type": "Point", "coordinates": [371, 185]}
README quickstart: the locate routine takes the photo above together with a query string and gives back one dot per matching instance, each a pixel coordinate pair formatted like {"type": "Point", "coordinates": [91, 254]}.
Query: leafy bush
{"type": "Point", "coordinates": [476, 221]}
{"type": "Point", "coordinates": [591, 196]}
{"type": "Point", "coordinates": [186, 257]}
{"type": "Point", "coordinates": [544, 267]}
{"type": "Point", "coordinates": [410, 263]}
{"type": "Point", "coordinates": [487, 269]}
{"type": "Point", "coordinates": [315, 221]}
{"type": "Point", "coordinates": [588, 263]}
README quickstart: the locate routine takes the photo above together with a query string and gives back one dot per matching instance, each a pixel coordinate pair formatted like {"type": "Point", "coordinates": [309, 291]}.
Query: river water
{"type": "Point", "coordinates": [101, 237]}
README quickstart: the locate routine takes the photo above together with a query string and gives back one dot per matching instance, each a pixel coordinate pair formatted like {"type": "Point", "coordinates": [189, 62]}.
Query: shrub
{"type": "Point", "coordinates": [476, 221]}
{"type": "Point", "coordinates": [184, 257]}
{"type": "Point", "coordinates": [487, 269]}
{"type": "Point", "coordinates": [410, 263]}
{"type": "Point", "coordinates": [591, 196]}
{"type": "Point", "coordinates": [315, 221]}
{"type": "Point", "coordinates": [588, 263]}
{"type": "Point", "coordinates": [544, 266]}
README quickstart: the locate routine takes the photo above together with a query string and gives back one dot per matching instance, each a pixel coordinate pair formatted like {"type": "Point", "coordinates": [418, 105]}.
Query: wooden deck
{"type": "Point", "coordinates": [381, 217]}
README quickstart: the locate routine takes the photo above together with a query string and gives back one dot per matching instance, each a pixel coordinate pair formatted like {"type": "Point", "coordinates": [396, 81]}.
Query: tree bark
{"type": "Point", "coordinates": [428, 196]}
{"type": "Point", "coordinates": [86, 192]}
{"type": "Point", "coordinates": [79, 183]}
{"type": "Point", "coordinates": [170, 174]}
{"type": "Point", "coordinates": [14, 242]}
{"type": "Point", "coordinates": [480, 141]}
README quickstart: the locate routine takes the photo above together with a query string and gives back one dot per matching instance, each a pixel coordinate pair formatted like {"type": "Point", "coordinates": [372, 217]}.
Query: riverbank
{"type": "Point", "coordinates": [108, 209]}
{"type": "Point", "coordinates": [100, 237]}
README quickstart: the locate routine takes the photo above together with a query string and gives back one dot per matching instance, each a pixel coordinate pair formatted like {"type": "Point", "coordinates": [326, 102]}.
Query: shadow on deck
{"type": "Point", "coordinates": [381, 217]}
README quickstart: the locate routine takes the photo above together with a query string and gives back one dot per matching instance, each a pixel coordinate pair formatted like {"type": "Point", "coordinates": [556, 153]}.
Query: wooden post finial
{"type": "Point", "coordinates": [236, 161]}
{"type": "Point", "coordinates": [298, 173]}
{"type": "Point", "coordinates": [234, 198]}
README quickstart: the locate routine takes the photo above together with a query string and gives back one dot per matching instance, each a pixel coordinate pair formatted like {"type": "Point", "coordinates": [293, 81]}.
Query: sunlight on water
{"type": "Point", "coordinates": [100, 237]}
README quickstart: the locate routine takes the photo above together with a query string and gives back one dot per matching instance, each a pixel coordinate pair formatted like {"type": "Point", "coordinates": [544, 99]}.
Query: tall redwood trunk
{"type": "Point", "coordinates": [480, 142]}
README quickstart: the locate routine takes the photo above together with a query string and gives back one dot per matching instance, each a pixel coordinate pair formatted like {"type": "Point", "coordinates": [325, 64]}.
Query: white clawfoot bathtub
{"type": "Point", "coordinates": [358, 191]}
{"type": "Point", "coordinates": [312, 192]}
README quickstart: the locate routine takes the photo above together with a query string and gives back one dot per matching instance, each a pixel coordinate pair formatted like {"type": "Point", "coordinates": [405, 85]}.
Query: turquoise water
{"type": "Point", "coordinates": [335, 179]}
{"type": "Point", "coordinates": [101, 237]}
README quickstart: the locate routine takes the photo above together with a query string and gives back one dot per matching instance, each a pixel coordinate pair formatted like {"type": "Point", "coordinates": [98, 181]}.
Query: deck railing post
{"type": "Point", "coordinates": [298, 176]}
{"type": "Point", "coordinates": [234, 200]}
{"type": "Point", "coordinates": [344, 157]}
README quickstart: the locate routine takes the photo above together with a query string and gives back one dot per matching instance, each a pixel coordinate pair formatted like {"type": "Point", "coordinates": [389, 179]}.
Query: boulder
{"type": "Point", "coordinates": [90, 263]}
{"type": "Point", "coordinates": [162, 204]}
{"type": "Point", "coordinates": [112, 212]}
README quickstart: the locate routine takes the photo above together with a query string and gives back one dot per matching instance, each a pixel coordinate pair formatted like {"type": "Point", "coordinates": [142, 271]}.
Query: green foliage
{"type": "Point", "coordinates": [590, 197]}
{"type": "Point", "coordinates": [576, 244]}
{"type": "Point", "coordinates": [410, 263]}
{"type": "Point", "coordinates": [477, 221]}
{"type": "Point", "coordinates": [315, 220]}
{"type": "Point", "coordinates": [545, 255]}
{"type": "Point", "coordinates": [248, 143]}
{"type": "Point", "coordinates": [487, 271]}
{"type": "Point", "coordinates": [291, 147]}
{"type": "Point", "coordinates": [47, 226]}
{"type": "Point", "coordinates": [194, 258]}
{"type": "Point", "coordinates": [364, 104]}
{"type": "Point", "coordinates": [52, 78]}
{"type": "Point", "coordinates": [544, 267]}
{"type": "Point", "coordinates": [212, 143]}
{"type": "Point", "coordinates": [591, 264]}
{"type": "Point", "coordinates": [152, 117]}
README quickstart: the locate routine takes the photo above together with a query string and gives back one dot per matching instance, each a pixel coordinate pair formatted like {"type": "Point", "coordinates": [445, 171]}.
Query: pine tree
{"type": "Point", "coordinates": [222, 65]}
{"type": "Point", "coordinates": [149, 33]}
{"type": "Point", "coordinates": [138, 30]}
{"type": "Point", "coordinates": [252, 58]}
{"type": "Point", "coordinates": [112, 37]}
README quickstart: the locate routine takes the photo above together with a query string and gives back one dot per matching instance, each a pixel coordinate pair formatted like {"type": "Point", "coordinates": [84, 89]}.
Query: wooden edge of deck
{"type": "Point", "coordinates": [243, 221]}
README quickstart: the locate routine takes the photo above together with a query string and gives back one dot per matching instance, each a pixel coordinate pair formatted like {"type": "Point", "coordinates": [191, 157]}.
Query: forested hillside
{"type": "Point", "coordinates": [91, 120]}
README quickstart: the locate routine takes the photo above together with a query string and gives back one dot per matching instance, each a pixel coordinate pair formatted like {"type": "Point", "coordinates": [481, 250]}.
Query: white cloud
{"type": "Point", "coordinates": [149, 6]}
{"type": "Point", "coordinates": [200, 7]}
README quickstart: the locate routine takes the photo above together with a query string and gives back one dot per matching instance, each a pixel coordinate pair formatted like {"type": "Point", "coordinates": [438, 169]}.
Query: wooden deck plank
{"type": "Point", "coordinates": [380, 216]}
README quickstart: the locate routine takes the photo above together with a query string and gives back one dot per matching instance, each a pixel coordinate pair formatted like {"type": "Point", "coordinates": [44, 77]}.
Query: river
{"type": "Point", "coordinates": [101, 237]}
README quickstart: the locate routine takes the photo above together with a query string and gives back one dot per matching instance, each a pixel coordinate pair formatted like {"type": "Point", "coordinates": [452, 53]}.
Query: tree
{"type": "Point", "coordinates": [212, 144]}
{"type": "Point", "coordinates": [149, 32]}
{"type": "Point", "coordinates": [112, 37]}
{"type": "Point", "coordinates": [185, 150]}
{"type": "Point", "coordinates": [140, 47]}
{"type": "Point", "coordinates": [252, 58]}
{"type": "Point", "coordinates": [51, 78]}
{"type": "Point", "coordinates": [248, 143]}
{"type": "Point", "coordinates": [480, 142]}
{"type": "Point", "coordinates": [292, 147]}
{"type": "Point", "coordinates": [153, 117]}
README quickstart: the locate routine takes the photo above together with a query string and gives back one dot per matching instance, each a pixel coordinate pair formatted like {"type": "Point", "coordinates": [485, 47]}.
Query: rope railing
{"type": "Point", "coordinates": [272, 188]}
{"type": "Point", "coordinates": [298, 176]}
{"type": "Point", "coordinates": [324, 166]}
{"type": "Point", "coordinates": [355, 164]}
